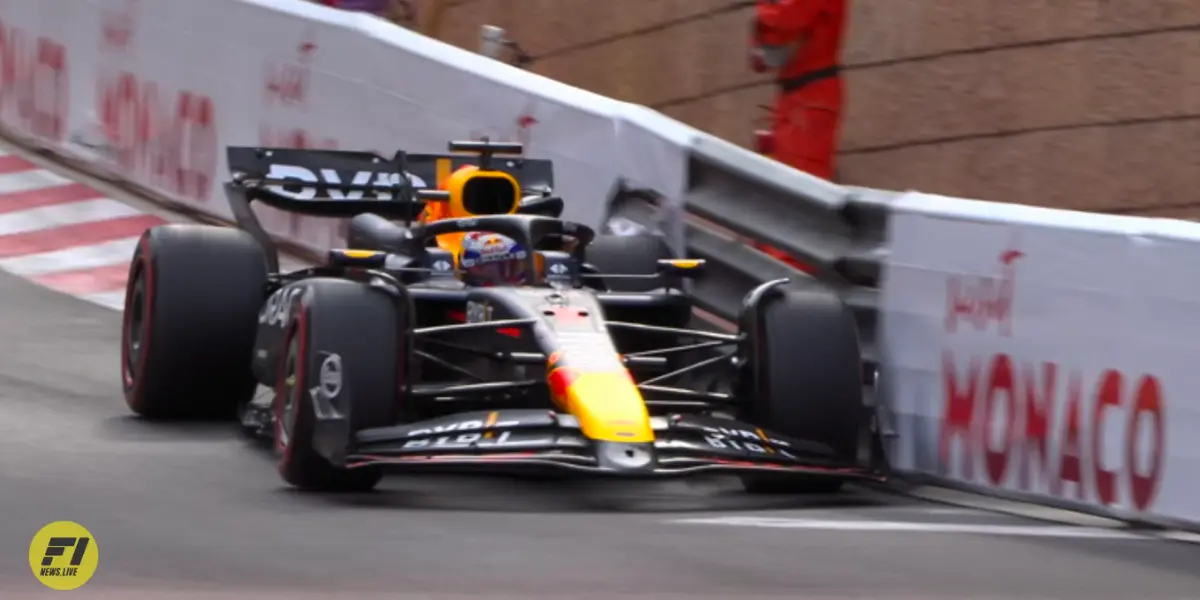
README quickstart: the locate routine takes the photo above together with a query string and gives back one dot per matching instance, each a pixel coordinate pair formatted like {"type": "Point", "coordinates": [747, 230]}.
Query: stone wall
{"type": "Point", "coordinates": [1087, 104]}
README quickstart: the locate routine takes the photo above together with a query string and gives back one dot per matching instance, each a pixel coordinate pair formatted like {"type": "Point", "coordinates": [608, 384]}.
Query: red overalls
{"type": "Point", "coordinates": [802, 40]}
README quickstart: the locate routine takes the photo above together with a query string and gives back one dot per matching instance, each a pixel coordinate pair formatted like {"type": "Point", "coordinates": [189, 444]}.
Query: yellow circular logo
{"type": "Point", "coordinates": [63, 555]}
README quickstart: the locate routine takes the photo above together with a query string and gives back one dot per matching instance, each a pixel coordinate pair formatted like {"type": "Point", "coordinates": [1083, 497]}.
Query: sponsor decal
{"type": "Point", "coordinates": [161, 136]}
{"type": "Point", "coordinates": [1049, 428]}
{"type": "Point", "coordinates": [277, 311]}
{"type": "Point", "coordinates": [1094, 434]}
{"type": "Point", "coordinates": [34, 83]}
{"type": "Point", "coordinates": [984, 301]}
{"type": "Point", "coordinates": [330, 179]}
{"type": "Point", "coordinates": [745, 440]}
{"type": "Point", "coordinates": [330, 382]}
{"type": "Point", "coordinates": [471, 432]}
{"type": "Point", "coordinates": [286, 91]}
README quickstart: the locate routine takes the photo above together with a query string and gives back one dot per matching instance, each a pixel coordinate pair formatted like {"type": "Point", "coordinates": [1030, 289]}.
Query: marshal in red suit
{"type": "Point", "coordinates": [801, 41]}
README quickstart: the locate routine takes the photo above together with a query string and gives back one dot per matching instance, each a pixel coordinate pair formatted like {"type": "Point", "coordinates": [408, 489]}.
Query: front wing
{"type": "Point", "coordinates": [541, 440]}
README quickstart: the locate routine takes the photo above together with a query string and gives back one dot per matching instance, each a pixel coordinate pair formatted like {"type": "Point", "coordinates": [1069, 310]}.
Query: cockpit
{"type": "Point", "coordinates": [485, 258]}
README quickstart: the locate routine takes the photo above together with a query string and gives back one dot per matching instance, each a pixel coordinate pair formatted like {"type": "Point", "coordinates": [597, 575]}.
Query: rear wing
{"type": "Point", "coordinates": [325, 183]}
{"type": "Point", "coordinates": [345, 183]}
{"type": "Point", "coordinates": [342, 183]}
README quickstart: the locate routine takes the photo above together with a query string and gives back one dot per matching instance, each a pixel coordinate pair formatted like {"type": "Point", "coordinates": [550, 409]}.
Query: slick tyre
{"type": "Point", "coordinates": [803, 378]}
{"type": "Point", "coordinates": [358, 328]}
{"type": "Point", "coordinates": [191, 310]}
{"type": "Point", "coordinates": [628, 255]}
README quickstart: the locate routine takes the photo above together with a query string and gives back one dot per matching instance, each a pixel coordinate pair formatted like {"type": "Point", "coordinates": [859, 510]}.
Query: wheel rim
{"type": "Point", "coordinates": [136, 329]}
{"type": "Point", "coordinates": [290, 396]}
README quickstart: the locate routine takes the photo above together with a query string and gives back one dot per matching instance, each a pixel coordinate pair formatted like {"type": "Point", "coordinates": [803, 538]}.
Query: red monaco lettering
{"type": "Point", "coordinates": [50, 96]}
{"type": "Point", "coordinates": [1070, 453]}
{"type": "Point", "coordinates": [1038, 410]}
{"type": "Point", "coordinates": [170, 146]}
{"type": "Point", "coordinates": [33, 83]}
{"type": "Point", "coordinates": [1108, 396]}
{"type": "Point", "coordinates": [197, 140]}
{"type": "Point", "coordinates": [1049, 450]}
{"type": "Point", "coordinates": [958, 415]}
{"type": "Point", "coordinates": [1000, 387]}
{"type": "Point", "coordinates": [1148, 403]}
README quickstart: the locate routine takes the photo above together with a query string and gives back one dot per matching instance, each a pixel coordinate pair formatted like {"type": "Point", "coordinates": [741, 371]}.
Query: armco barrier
{"type": "Point", "coordinates": [1091, 384]}
{"type": "Point", "coordinates": [837, 232]}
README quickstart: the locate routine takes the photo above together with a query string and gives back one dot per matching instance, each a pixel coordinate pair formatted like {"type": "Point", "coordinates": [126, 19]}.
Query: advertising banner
{"type": "Point", "coordinates": [1045, 353]}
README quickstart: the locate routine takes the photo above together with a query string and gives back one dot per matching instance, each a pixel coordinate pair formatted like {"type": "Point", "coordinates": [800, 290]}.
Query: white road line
{"type": "Point", "coordinates": [114, 300]}
{"type": "Point", "coordinates": [59, 215]}
{"type": "Point", "coordinates": [934, 510]}
{"type": "Point", "coordinates": [71, 259]}
{"type": "Point", "coordinates": [1180, 536]}
{"type": "Point", "coordinates": [33, 179]}
{"type": "Point", "coordinates": [908, 527]}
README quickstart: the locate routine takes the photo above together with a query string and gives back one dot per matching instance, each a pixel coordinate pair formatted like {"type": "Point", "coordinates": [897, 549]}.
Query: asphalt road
{"type": "Point", "coordinates": [196, 510]}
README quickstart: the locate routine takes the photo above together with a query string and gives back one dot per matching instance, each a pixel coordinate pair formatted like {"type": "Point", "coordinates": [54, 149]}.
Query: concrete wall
{"type": "Point", "coordinates": [1089, 104]}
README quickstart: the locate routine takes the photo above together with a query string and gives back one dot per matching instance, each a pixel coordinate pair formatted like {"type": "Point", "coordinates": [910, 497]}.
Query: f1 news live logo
{"type": "Point", "coordinates": [63, 555]}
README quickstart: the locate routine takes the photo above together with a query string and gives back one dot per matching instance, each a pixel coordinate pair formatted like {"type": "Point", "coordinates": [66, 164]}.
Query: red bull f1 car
{"type": "Point", "coordinates": [466, 325]}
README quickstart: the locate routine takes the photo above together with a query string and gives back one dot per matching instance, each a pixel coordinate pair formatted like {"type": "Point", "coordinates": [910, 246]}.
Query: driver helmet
{"type": "Point", "coordinates": [491, 259]}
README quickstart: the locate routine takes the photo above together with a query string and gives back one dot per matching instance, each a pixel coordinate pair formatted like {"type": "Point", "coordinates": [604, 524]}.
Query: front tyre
{"type": "Point", "coordinates": [802, 375]}
{"type": "Point", "coordinates": [636, 255]}
{"type": "Point", "coordinates": [341, 353]}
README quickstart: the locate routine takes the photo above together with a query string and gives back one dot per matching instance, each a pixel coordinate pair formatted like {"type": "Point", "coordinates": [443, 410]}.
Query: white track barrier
{"type": "Point", "coordinates": [1049, 354]}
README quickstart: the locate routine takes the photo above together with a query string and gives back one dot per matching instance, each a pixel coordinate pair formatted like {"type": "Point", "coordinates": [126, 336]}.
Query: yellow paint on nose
{"type": "Point", "coordinates": [609, 407]}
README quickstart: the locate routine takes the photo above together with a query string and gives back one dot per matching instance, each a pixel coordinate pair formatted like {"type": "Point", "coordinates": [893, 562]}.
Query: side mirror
{"type": "Point", "coordinates": [681, 267]}
{"type": "Point", "coordinates": [546, 206]}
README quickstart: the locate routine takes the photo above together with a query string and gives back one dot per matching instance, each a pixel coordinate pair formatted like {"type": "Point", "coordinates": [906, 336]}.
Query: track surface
{"type": "Point", "coordinates": [197, 511]}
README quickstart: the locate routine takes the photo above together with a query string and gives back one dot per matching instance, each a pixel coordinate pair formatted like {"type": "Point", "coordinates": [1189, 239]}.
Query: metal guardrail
{"type": "Point", "coordinates": [837, 231]}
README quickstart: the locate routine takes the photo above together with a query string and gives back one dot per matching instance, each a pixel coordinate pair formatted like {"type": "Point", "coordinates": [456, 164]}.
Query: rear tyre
{"type": "Point", "coordinates": [358, 326]}
{"type": "Point", "coordinates": [628, 255]}
{"type": "Point", "coordinates": [802, 374]}
{"type": "Point", "coordinates": [191, 310]}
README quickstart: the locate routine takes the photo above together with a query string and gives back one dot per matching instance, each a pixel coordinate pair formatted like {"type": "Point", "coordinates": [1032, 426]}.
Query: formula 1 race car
{"type": "Point", "coordinates": [487, 334]}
